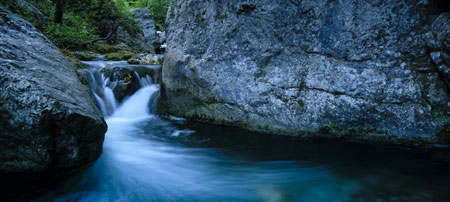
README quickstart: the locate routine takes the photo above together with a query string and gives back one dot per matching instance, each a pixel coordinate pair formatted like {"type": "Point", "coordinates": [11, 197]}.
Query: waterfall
{"type": "Point", "coordinates": [102, 89]}
{"type": "Point", "coordinates": [144, 81]}
{"type": "Point", "coordinates": [139, 105]}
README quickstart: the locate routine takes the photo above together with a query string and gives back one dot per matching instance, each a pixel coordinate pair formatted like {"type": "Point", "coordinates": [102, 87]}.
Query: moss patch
{"type": "Point", "coordinates": [334, 124]}
{"type": "Point", "coordinates": [121, 55]}
{"type": "Point", "coordinates": [84, 56]}
{"type": "Point", "coordinates": [74, 60]}
{"type": "Point", "coordinates": [105, 48]}
{"type": "Point", "coordinates": [301, 103]}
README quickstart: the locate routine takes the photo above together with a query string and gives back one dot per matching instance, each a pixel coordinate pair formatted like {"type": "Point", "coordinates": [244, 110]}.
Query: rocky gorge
{"type": "Point", "coordinates": [92, 108]}
{"type": "Point", "coordinates": [366, 70]}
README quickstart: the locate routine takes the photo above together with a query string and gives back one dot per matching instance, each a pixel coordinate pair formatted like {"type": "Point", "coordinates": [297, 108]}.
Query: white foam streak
{"type": "Point", "coordinates": [136, 107]}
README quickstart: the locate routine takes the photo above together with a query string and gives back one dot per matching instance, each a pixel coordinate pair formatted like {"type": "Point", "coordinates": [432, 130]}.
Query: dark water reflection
{"type": "Point", "coordinates": [168, 160]}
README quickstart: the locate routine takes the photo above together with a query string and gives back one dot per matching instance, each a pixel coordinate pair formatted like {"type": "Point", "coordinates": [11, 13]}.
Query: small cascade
{"type": "Point", "coordinates": [144, 81]}
{"type": "Point", "coordinates": [102, 89]}
{"type": "Point", "coordinates": [139, 105]}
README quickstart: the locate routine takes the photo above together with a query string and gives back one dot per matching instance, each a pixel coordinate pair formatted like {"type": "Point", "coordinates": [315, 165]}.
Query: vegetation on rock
{"type": "Point", "coordinates": [158, 8]}
{"type": "Point", "coordinates": [84, 22]}
{"type": "Point", "coordinates": [121, 55]}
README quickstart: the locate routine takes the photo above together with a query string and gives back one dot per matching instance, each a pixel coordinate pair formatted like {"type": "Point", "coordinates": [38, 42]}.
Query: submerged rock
{"type": "Point", "coordinates": [357, 69]}
{"type": "Point", "coordinates": [48, 121]}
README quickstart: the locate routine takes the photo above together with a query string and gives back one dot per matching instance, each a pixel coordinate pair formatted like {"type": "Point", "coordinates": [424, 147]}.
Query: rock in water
{"type": "Point", "coordinates": [147, 24]}
{"type": "Point", "coordinates": [48, 121]}
{"type": "Point", "coordinates": [357, 69]}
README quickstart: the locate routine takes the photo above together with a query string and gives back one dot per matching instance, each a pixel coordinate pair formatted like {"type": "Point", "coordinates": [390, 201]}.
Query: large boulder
{"type": "Point", "coordinates": [48, 122]}
{"type": "Point", "coordinates": [349, 68]}
{"type": "Point", "coordinates": [147, 24]}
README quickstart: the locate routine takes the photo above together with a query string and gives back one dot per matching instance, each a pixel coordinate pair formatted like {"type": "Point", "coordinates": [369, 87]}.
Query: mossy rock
{"type": "Point", "coordinates": [121, 55]}
{"type": "Point", "coordinates": [106, 48]}
{"type": "Point", "coordinates": [84, 56]}
{"type": "Point", "coordinates": [74, 60]}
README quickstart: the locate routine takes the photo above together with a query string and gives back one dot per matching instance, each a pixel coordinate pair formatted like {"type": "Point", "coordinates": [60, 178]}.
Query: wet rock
{"type": "Point", "coordinates": [359, 69]}
{"type": "Point", "coordinates": [132, 41]}
{"type": "Point", "coordinates": [440, 41]}
{"type": "Point", "coordinates": [125, 81]}
{"type": "Point", "coordinates": [26, 9]}
{"type": "Point", "coordinates": [147, 24]}
{"type": "Point", "coordinates": [48, 121]}
{"type": "Point", "coordinates": [142, 58]}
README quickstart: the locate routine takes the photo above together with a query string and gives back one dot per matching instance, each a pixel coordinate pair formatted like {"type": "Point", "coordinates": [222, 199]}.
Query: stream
{"type": "Point", "coordinates": [147, 157]}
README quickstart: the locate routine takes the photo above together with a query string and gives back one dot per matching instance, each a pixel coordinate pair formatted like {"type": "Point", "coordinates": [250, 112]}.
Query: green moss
{"type": "Point", "coordinates": [105, 48]}
{"type": "Point", "coordinates": [74, 60]}
{"type": "Point", "coordinates": [84, 56]}
{"type": "Point", "coordinates": [121, 55]}
{"type": "Point", "coordinates": [333, 124]}
{"type": "Point", "coordinates": [301, 103]}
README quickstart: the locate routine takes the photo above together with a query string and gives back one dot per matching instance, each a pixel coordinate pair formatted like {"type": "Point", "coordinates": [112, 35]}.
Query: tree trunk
{"type": "Point", "coordinates": [59, 11]}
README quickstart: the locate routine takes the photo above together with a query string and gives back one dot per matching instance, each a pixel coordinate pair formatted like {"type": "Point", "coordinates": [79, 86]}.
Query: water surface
{"type": "Point", "coordinates": [151, 158]}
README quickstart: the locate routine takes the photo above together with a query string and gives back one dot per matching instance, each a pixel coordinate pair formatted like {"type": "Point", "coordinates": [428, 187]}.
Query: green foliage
{"type": "Point", "coordinates": [83, 20]}
{"type": "Point", "coordinates": [159, 10]}
{"type": "Point", "coordinates": [123, 6]}
{"type": "Point", "coordinates": [75, 33]}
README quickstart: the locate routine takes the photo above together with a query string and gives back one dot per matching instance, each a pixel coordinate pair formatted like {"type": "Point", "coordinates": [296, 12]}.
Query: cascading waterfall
{"type": "Point", "coordinates": [145, 80]}
{"type": "Point", "coordinates": [138, 105]}
{"type": "Point", "coordinates": [102, 90]}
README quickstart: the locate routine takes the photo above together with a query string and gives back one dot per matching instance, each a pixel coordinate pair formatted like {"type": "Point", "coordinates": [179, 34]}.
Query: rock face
{"type": "Point", "coordinates": [357, 69]}
{"type": "Point", "coordinates": [147, 24]}
{"type": "Point", "coordinates": [48, 121]}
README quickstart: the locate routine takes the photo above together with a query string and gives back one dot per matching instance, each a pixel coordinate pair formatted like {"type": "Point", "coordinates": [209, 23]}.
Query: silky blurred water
{"type": "Point", "coordinates": [151, 158]}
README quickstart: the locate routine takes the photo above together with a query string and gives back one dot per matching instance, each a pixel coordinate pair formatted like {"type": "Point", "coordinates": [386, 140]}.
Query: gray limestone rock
{"type": "Point", "coordinates": [147, 24]}
{"type": "Point", "coordinates": [48, 121]}
{"type": "Point", "coordinates": [357, 69]}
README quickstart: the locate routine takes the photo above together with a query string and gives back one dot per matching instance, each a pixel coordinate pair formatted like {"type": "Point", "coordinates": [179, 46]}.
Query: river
{"type": "Point", "coordinates": [148, 157]}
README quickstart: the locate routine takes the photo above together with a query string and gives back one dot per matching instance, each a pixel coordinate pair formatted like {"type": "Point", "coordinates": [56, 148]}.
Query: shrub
{"type": "Point", "coordinates": [75, 33]}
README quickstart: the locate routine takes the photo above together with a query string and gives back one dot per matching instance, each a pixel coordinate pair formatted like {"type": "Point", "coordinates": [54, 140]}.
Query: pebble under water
{"type": "Point", "coordinates": [152, 158]}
